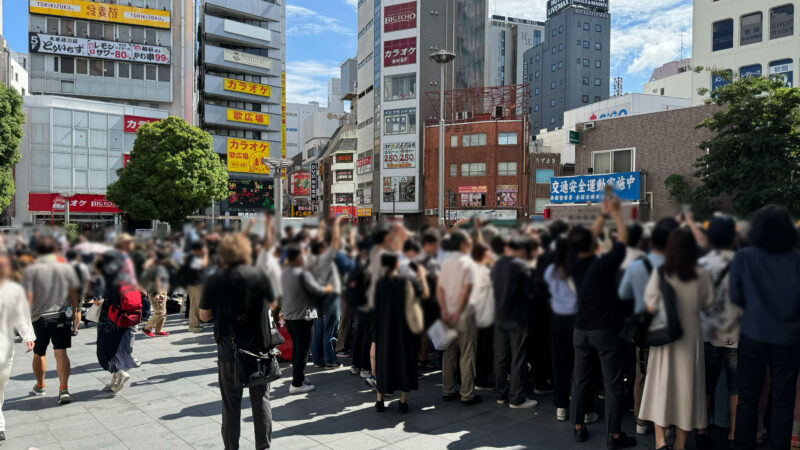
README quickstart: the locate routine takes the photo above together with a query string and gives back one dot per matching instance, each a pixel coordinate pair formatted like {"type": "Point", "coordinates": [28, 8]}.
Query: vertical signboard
{"type": "Point", "coordinates": [400, 52]}
{"type": "Point", "coordinates": [283, 121]}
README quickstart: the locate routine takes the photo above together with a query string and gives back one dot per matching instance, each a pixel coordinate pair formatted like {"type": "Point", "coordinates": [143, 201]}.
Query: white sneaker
{"type": "Point", "coordinates": [122, 378]}
{"type": "Point", "coordinates": [110, 386]}
{"type": "Point", "coordinates": [591, 418]}
{"type": "Point", "coordinates": [365, 374]}
{"type": "Point", "coordinates": [355, 371]}
{"type": "Point", "coordinates": [642, 429]}
{"type": "Point", "coordinates": [562, 414]}
{"type": "Point", "coordinates": [527, 404]}
{"type": "Point", "coordinates": [304, 389]}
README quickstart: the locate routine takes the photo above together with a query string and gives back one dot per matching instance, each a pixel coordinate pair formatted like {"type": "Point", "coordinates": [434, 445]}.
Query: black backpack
{"type": "Point", "coordinates": [357, 286]}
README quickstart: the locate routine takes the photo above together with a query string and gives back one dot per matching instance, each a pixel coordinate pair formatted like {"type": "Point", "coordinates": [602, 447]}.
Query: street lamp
{"type": "Point", "coordinates": [442, 57]}
{"type": "Point", "coordinates": [277, 164]}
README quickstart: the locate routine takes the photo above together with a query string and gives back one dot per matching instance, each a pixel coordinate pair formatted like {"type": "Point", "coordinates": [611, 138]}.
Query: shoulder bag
{"type": "Point", "coordinates": [665, 327]}
{"type": "Point", "coordinates": [414, 316]}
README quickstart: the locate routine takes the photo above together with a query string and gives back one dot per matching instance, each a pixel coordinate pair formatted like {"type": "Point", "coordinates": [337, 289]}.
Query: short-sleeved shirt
{"type": "Point", "coordinates": [598, 302]}
{"type": "Point", "coordinates": [456, 272]}
{"type": "Point", "coordinates": [721, 320]}
{"type": "Point", "coordinates": [50, 282]}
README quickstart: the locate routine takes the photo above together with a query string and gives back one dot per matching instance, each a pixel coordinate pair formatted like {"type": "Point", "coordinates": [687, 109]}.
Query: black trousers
{"type": "Point", "coordinates": [563, 353]}
{"type": "Point", "coordinates": [484, 358]}
{"type": "Point", "coordinates": [231, 391]}
{"type": "Point", "coordinates": [539, 346]}
{"type": "Point", "coordinates": [362, 340]}
{"type": "Point", "coordinates": [301, 332]}
{"type": "Point", "coordinates": [510, 348]}
{"type": "Point", "coordinates": [784, 363]}
{"type": "Point", "coordinates": [608, 348]}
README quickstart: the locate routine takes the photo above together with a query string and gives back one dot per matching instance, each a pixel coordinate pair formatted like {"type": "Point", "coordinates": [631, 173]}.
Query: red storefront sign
{"type": "Point", "coordinates": [349, 211]}
{"type": "Point", "coordinates": [132, 123]}
{"type": "Point", "coordinates": [79, 203]}
{"type": "Point", "coordinates": [400, 52]}
{"type": "Point", "coordinates": [400, 17]}
{"type": "Point", "coordinates": [125, 160]}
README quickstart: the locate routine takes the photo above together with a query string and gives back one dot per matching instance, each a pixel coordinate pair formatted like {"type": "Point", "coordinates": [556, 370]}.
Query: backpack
{"type": "Point", "coordinates": [129, 310]}
{"type": "Point", "coordinates": [81, 281]}
{"type": "Point", "coordinates": [357, 286]}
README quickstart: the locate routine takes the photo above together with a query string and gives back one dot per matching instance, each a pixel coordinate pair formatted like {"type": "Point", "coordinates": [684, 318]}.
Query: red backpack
{"type": "Point", "coordinates": [129, 311]}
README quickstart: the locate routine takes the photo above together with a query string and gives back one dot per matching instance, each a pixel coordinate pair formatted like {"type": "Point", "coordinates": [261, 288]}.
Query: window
{"type": "Point", "coordinates": [81, 29]}
{"type": "Point", "coordinates": [579, 24]}
{"type": "Point", "coordinates": [537, 74]}
{"type": "Point", "coordinates": [552, 120]}
{"type": "Point", "coordinates": [67, 27]}
{"type": "Point", "coordinates": [124, 70]}
{"type": "Point", "coordinates": [553, 68]}
{"type": "Point", "coordinates": [553, 102]}
{"type": "Point", "coordinates": [454, 140]}
{"type": "Point", "coordinates": [507, 139]}
{"type": "Point", "coordinates": [82, 66]}
{"type": "Point", "coordinates": [164, 73]}
{"type": "Point", "coordinates": [587, 26]}
{"type": "Point", "coordinates": [585, 99]}
{"type": "Point", "coordinates": [585, 44]}
{"type": "Point", "coordinates": [579, 42]}
{"type": "Point", "coordinates": [781, 21]}
{"type": "Point", "coordinates": [560, 64]}
{"type": "Point", "coordinates": [150, 73]}
{"type": "Point", "coordinates": [598, 82]}
{"type": "Point", "coordinates": [723, 35]}
{"type": "Point", "coordinates": [96, 30]}
{"type": "Point", "coordinates": [555, 32]}
{"type": "Point", "coordinates": [782, 70]}
{"type": "Point", "coordinates": [560, 46]}
{"type": "Point", "coordinates": [538, 57]}
{"type": "Point", "coordinates": [597, 97]}
{"type": "Point", "coordinates": [453, 170]}
{"type": "Point", "coordinates": [597, 64]}
{"type": "Point", "coordinates": [108, 69]}
{"type": "Point", "coordinates": [137, 35]}
{"type": "Point", "coordinates": [96, 68]}
{"type": "Point", "coordinates": [473, 140]}
{"type": "Point", "coordinates": [561, 28]}
{"type": "Point", "coordinates": [400, 121]}
{"type": "Point", "coordinates": [124, 33]}
{"type": "Point", "coordinates": [52, 25]}
{"type": "Point", "coordinates": [506, 169]}
{"type": "Point", "coordinates": [553, 50]}
{"type": "Point", "coordinates": [750, 29]}
{"type": "Point", "coordinates": [400, 87]}
{"type": "Point", "coordinates": [536, 108]}
{"type": "Point", "coordinates": [473, 199]}
{"type": "Point", "coordinates": [585, 63]}
{"type": "Point", "coordinates": [544, 175]}
{"type": "Point", "coordinates": [612, 161]}
{"type": "Point", "coordinates": [598, 28]}
{"type": "Point", "coordinates": [586, 81]}
{"type": "Point", "coordinates": [536, 91]}
{"type": "Point", "coordinates": [67, 64]}
{"type": "Point", "coordinates": [540, 205]}
{"type": "Point", "coordinates": [750, 71]}
{"type": "Point", "coordinates": [473, 169]}
{"type": "Point", "coordinates": [137, 71]}
{"type": "Point", "coordinates": [597, 46]}
{"type": "Point", "coordinates": [553, 85]}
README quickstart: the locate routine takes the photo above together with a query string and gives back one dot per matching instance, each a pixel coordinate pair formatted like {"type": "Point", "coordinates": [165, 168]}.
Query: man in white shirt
{"type": "Point", "coordinates": [14, 315]}
{"type": "Point", "coordinates": [453, 292]}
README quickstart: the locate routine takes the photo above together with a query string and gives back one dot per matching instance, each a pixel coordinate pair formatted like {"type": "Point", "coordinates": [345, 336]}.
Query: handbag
{"type": "Point", "coordinates": [482, 298]}
{"type": "Point", "coordinates": [256, 369]}
{"type": "Point", "coordinates": [93, 314]}
{"type": "Point", "coordinates": [665, 326]}
{"type": "Point", "coordinates": [414, 315]}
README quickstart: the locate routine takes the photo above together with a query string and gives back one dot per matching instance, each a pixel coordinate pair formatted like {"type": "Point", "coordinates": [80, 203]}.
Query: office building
{"type": "Point", "coordinates": [242, 97]}
{"type": "Point", "coordinates": [507, 40]}
{"type": "Point", "coordinates": [395, 39]}
{"type": "Point", "coordinates": [572, 67]}
{"type": "Point", "coordinates": [745, 37]}
{"type": "Point", "coordinates": [136, 52]}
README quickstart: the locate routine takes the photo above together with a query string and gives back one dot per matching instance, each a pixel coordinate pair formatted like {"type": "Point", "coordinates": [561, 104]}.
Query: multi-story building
{"type": "Point", "coordinates": [338, 173]}
{"type": "Point", "coordinates": [241, 82]}
{"type": "Point", "coordinates": [507, 40]}
{"type": "Point", "coordinates": [394, 40]}
{"type": "Point", "coordinates": [136, 52]}
{"type": "Point", "coordinates": [744, 37]}
{"type": "Point", "coordinates": [571, 68]}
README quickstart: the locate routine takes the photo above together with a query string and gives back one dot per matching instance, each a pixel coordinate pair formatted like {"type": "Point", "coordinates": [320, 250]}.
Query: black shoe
{"type": "Point", "coordinates": [623, 441]}
{"type": "Point", "coordinates": [473, 401]}
{"type": "Point", "coordinates": [403, 407]}
{"type": "Point", "coordinates": [703, 442]}
{"type": "Point", "coordinates": [581, 434]}
{"type": "Point", "coordinates": [379, 406]}
{"type": "Point", "coordinates": [2, 435]}
{"type": "Point", "coordinates": [450, 397]}
{"type": "Point", "coordinates": [666, 447]}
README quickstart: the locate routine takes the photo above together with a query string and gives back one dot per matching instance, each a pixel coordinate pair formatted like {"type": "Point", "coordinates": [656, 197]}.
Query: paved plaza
{"type": "Point", "coordinates": [173, 402]}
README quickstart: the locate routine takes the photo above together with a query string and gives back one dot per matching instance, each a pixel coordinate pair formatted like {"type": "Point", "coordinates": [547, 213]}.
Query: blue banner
{"type": "Point", "coordinates": [585, 188]}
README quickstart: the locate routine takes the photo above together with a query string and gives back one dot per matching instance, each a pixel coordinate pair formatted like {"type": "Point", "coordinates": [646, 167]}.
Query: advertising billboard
{"type": "Point", "coordinates": [80, 203]}
{"type": "Point", "coordinates": [364, 165]}
{"type": "Point", "coordinates": [246, 58]}
{"type": "Point", "coordinates": [132, 123]}
{"type": "Point", "coordinates": [399, 189]}
{"type": "Point", "coordinates": [256, 118]}
{"type": "Point", "coordinates": [300, 183]}
{"type": "Point", "coordinates": [80, 9]}
{"type": "Point", "coordinates": [94, 48]}
{"type": "Point", "coordinates": [555, 6]}
{"type": "Point", "coordinates": [250, 194]}
{"type": "Point", "coordinates": [246, 156]}
{"type": "Point", "coordinates": [400, 155]}
{"type": "Point", "coordinates": [585, 188]}
{"type": "Point", "coordinates": [507, 194]}
{"type": "Point", "coordinates": [247, 87]}
{"type": "Point", "coordinates": [400, 52]}
{"type": "Point", "coordinates": [400, 17]}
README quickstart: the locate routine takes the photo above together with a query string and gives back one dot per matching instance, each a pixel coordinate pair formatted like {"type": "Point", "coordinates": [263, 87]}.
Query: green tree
{"type": "Point", "coordinates": [173, 172]}
{"type": "Point", "coordinates": [11, 120]}
{"type": "Point", "coordinates": [754, 156]}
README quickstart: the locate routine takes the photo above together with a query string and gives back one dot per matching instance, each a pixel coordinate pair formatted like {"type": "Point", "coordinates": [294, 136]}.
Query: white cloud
{"type": "Point", "coordinates": [353, 3]}
{"type": "Point", "coordinates": [307, 80]}
{"type": "Point", "coordinates": [305, 21]}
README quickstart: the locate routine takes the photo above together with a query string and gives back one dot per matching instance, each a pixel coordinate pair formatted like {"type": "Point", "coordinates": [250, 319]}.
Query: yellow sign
{"type": "Point", "coordinates": [81, 9]}
{"type": "Point", "coordinates": [283, 118]}
{"type": "Point", "coordinates": [256, 118]}
{"type": "Point", "coordinates": [247, 87]}
{"type": "Point", "coordinates": [364, 212]}
{"type": "Point", "coordinates": [247, 156]}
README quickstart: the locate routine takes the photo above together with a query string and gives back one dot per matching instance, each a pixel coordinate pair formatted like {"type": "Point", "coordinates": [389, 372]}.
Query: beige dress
{"type": "Point", "coordinates": [674, 390]}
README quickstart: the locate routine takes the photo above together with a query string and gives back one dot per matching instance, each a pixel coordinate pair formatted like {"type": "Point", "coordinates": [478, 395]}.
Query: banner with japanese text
{"type": "Point", "coordinates": [400, 155]}
{"type": "Point", "coordinates": [247, 87]}
{"type": "Point", "coordinates": [81, 9]}
{"type": "Point", "coordinates": [400, 52]}
{"type": "Point", "coordinates": [247, 156]}
{"type": "Point", "coordinates": [283, 121]}
{"type": "Point", "coordinates": [586, 188]}
{"type": "Point", "coordinates": [300, 183]}
{"type": "Point", "coordinates": [79, 203]}
{"type": "Point", "coordinates": [132, 123]}
{"type": "Point", "coordinates": [95, 48]}
{"type": "Point", "coordinates": [255, 118]}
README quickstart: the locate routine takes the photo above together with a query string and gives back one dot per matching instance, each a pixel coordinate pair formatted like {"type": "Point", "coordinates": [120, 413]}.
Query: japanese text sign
{"type": "Point", "coordinates": [79, 203]}
{"type": "Point", "coordinates": [472, 189]}
{"type": "Point", "coordinates": [400, 52]}
{"type": "Point", "coordinates": [247, 87]}
{"type": "Point", "coordinates": [81, 9]}
{"type": "Point", "coordinates": [132, 123]}
{"type": "Point", "coordinates": [364, 165]}
{"type": "Point", "coordinates": [585, 188]}
{"type": "Point", "coordinates": [300, 183]}
{"type": "Point", "coordinates": [400, 17]}
{"type": "Point", "coordinates": [255, 118]}
{"type": "Point", "coordinates": [93, 48]}
{"type": "Point", "coordinates": [400, 155]}
{"type": "Point", "coordinates": [247, 156]}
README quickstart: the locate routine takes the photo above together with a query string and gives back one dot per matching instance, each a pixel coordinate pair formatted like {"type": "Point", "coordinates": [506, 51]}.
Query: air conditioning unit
{"type": "Point", "coordinates": [469, 114]}
{"type": "Point", "coordinates": [588, 125]}
{"type": "Point", "coordinates": [431, 212]}
{"type": "Point", "coordinates": [460, 115]}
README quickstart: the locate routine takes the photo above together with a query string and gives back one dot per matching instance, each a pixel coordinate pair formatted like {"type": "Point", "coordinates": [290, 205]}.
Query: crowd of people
{"type": "Point", "coordinates": [518, 312]}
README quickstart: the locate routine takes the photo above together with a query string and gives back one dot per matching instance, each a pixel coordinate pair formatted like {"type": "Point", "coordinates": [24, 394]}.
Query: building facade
{"type": "Point", "coordinates": [136, 52]}
{"type": "Point", "coordinates": [572, 67]}
{"type": "Point", "coordinates": [507, 40]}
{"type": "Point", "coordinates": [241, 82]}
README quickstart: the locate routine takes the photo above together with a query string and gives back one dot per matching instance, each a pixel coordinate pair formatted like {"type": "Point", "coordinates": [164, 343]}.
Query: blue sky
{"type": "Point", "coordinates": [321, 34]}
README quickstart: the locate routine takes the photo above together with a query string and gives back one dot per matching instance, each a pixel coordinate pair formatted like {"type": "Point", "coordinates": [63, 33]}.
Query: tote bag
{"type": "Point", "coordinates": [665, 326]}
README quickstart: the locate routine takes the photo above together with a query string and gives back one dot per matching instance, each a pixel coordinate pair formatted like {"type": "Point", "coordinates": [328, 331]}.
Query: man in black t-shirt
{"type": "Point", "coordinates": [598, 322]}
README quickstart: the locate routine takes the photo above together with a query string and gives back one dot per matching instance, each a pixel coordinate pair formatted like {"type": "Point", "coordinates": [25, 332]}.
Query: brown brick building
{"type": "Point", "coordinates": [657, 144]}
{"type": "Point", "coordinates": [485, 169]}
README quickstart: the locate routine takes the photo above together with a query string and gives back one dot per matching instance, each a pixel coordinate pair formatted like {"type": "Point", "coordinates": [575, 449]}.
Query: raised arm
{"type": "Point", "coordinates": [336, 234]}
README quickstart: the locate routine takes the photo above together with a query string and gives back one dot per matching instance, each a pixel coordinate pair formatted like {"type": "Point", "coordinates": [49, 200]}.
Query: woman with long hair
{"type": "Point", "coordinates": [674, 390]}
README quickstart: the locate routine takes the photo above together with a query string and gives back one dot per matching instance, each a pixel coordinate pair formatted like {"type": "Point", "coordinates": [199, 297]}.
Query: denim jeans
{"type": "Point", "coordinates": [323, 345]}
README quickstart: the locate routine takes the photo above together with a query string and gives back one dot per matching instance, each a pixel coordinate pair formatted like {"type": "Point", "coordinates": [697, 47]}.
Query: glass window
{"type": "Point", "coordinates": [586, 80]}
{"type": "Point", "coordinates": [553, 50]}
{"type": "Point", "coordinates": [400, 121]}
{"type": "Point", "coordinates": [82, 66]}
{"type": "Point", "coordinates": [598, 82]}
{"type": "Point", "coordinates": [587, 26]}
{"type": "Point", "coordinates": [81, 29]}
{"type": "Point", "coordinates": [597, 64]}
{"type": "Point", "coordinates": [781, 21]}
{"type": "Point", "coordinates": [473, 140]}
{"type": "Point", "coordinates": [750, 71]}
{"type": "Point", "coordinates": [108, 32]}
{"type": "Point", "coordinates": [538, 57]}
{"type": "Point", "coordinates": [560, 64]}
{"type": "Point", "coordinates": [585, 44]}
{"type": "Point", "coordinates": [400, 87]}
{"type": "Point", "coordinates": [473, 169]}
{"type": "Point", "coordinates": [585, 63]}
{"type": "Point", "coordinates": [137, 71]}
{"type": "Point", "coordinates": [454, 140]}
{"type": "Point", "coordinates": [553, 68]}
{"type": "Point", "coordinates": [584, 99]}
{"type": "Point", "coordinates": [124, 33]}
{"type": "Point", "coordinates": [108, 69]}
{"type": "Point", "coordinates": [67, 64]}
{"type": "Point", "coordinates": [151, 36]}
{"type": "Point", "coordinates": [602, 163]}
{"type": "Point", "coordinates": [553, 102]}
{"type": "Point", "coordinates": [52, 25]}
{"type": "Point", "coordinates": [536, 108]}
{"type": "Point", "coordinates": [598, 28]}
{"type": "Point", "coordinates": [507, 138]}
{"type": "Point", "coordinates": [544, 175]}
{"type": "Point", "coordinates": [623, 161]}
{"type": "Point", "coordinates": [723, 35]}
{"type": "Point", "coordinates": [597, 46]}
{"type": "Point", "coordinates": [552, 120]}
{"type": "Point", "coordinates": [560, 46]}
{"type": "Point", "coordinates": [555, 32]}
{"type": "Point", "coordinates": [453, 170]}
{"type": "Point", "coordinates": [137, 35]}
{"type": "Point", "coordinates": [96, 68]}
{"type": "Point", "coordinates": [124, 70]}
{"type": "Point", "coordinates": [164, 73]}
{"type": "Point", "coordinates": [506, 169]}
{"type": "Point", "coordinates": [151, 73]}
{"type": "Point", "coordinates": [537, 74]}
{"type": "Point", "coordinates": [613, 161]}
{"type": "Point", "coordinates": [750, 29]}
{"type": "Point", "coordinates": [579, 42]}
{"type": "Point", "coordinates": [553, 85]}
{"type": "Point", "coordinates": [561, 28]}
{"type": "Point", "coordinates": [67, 27]}
{"type": "Point", "coordinates": [96, 30]}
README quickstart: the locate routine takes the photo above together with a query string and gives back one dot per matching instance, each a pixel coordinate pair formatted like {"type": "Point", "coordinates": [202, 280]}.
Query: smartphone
{"type": "Point", "coordinates": [608, 192]}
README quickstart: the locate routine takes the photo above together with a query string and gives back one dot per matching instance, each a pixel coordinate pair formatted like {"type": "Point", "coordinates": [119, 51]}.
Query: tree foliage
{"type": "Point", "coordinates": [173, 172]}
{"type": "Point", "coordinates": [754, 156]}
{"type": "Point", "coordinates": [11, 121]}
